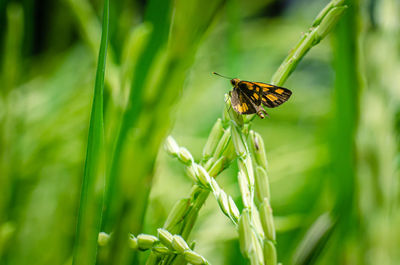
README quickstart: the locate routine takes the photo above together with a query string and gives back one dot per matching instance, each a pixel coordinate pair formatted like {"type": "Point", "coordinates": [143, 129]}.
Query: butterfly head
{"type": "Point", "coordinates": [235, 81]}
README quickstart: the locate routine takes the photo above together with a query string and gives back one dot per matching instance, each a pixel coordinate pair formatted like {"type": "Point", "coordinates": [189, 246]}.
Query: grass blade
{"type": "Point", "coordinates": [314, 241]}
{"type": "Point", "coordinates": [92, 191]}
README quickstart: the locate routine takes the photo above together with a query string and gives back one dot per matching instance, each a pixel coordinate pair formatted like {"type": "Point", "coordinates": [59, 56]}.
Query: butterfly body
{"type": "Point", "coordinates": [249, 97]}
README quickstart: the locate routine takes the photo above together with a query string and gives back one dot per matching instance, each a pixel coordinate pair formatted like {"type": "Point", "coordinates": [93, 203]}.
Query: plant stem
{"type": "Point", "coordinates": [321, 26]}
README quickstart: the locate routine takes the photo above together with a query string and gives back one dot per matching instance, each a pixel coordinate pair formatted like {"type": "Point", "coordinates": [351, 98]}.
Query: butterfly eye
{"type": "Point", "coordinates": [233, 82]}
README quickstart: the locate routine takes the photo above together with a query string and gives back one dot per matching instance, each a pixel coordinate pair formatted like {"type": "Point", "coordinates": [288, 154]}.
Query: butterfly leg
{"type": "Point", "coordinates": [261, 111]}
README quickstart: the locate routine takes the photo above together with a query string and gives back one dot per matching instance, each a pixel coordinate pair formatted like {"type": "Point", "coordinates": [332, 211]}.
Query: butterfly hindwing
{"type": "Point", "coordinates": [241, 103]}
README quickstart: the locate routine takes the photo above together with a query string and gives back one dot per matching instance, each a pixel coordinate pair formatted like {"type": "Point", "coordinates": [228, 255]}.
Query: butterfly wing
{"type": "Point", "coordinates": [273, 96]}
{"type": "Point", "coordinates": [241, 103]}
{"type": "Point", "coordinates": [251, 90]}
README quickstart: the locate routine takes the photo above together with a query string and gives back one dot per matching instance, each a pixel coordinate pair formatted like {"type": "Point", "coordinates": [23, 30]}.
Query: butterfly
{"type": "Point", "coordinates": [248, 97]}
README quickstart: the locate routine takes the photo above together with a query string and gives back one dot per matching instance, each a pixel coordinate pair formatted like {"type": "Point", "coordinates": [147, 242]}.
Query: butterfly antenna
{"type": "Point", "coordinates": [215, 73]}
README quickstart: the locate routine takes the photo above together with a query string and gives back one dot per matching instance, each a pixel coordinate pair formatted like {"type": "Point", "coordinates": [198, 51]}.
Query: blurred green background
{"type": "Point", "coordinates": [332, 148]}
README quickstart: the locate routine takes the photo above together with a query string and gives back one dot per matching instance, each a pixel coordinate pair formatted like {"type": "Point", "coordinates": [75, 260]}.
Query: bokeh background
{"type": "Point", "coordinates": [333, 148]}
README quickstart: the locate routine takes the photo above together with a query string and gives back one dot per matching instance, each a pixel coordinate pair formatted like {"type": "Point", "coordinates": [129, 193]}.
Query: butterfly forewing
{"type": "Point", "coordinates": [252, 91]}
{"type": "Point", "coordinates": [273, 96]}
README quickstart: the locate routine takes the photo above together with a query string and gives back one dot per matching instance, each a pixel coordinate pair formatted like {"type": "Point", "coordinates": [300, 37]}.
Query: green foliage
{"type": "Point", "coordinates": [240, 189]}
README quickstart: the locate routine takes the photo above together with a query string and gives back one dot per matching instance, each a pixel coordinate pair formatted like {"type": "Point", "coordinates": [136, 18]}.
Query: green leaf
{"type": "Point", "coordinates": [92, 191]}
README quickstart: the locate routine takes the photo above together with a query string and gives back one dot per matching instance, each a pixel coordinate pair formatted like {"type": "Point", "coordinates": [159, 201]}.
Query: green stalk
{"type": "Point", "coordinates": [346, 108]}
{"type": "Point", "coordinates": [343, 138]}
{"type": "Point", "coordinates": [321, 26]}
{"type": "Point", "coordinates": [9, 76]}
{"type": "Point", "coordinates": [92, 191]}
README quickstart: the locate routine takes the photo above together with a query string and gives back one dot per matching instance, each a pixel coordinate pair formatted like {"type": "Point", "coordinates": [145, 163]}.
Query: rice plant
{"type": "Point", "coordinates": [118, 145]}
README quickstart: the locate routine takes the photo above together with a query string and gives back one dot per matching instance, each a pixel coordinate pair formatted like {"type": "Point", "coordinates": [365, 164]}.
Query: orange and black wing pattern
{"type": "Point", "coordinates": [241, 103]}
{"type": "Point", "coordinates": [252, 91]}
{"type": "Point", "coordinates": [249, 97]}
{"type": "Point", "coordinates": [273, 96]}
